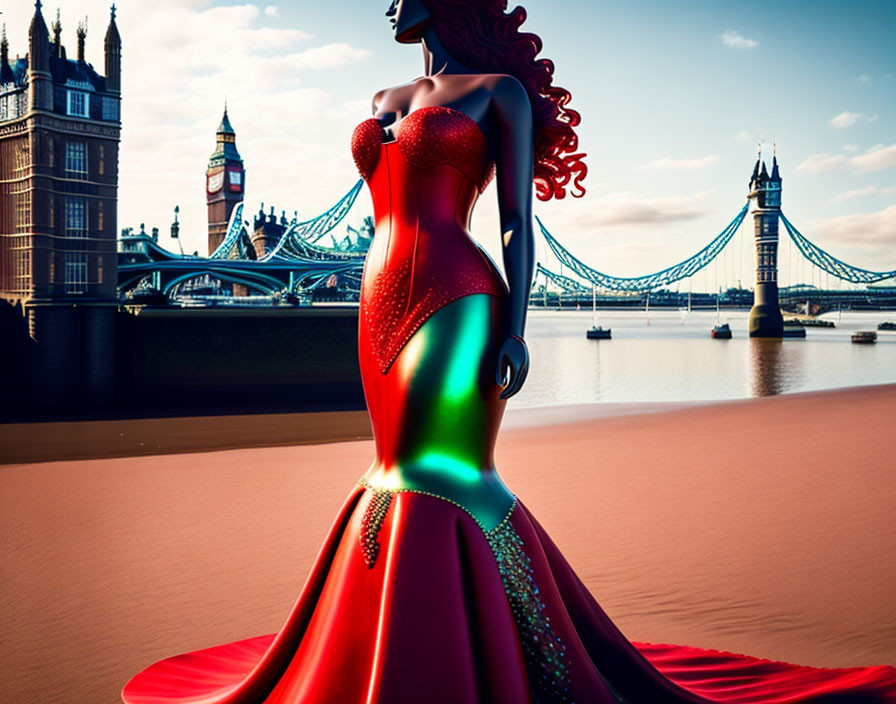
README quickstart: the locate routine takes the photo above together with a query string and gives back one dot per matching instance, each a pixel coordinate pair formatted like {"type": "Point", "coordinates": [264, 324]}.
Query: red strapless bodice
{"type": "Point", "coordinates": [424, 186]}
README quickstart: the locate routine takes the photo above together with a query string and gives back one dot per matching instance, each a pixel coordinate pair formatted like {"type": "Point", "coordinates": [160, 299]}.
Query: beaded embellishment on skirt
{"type": "Point", "coordinates": [546, 661]}
{"type": "Point", "coordinates": [371, 522]}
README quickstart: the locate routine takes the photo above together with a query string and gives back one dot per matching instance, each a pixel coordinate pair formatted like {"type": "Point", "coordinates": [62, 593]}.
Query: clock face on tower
{"type": "Point", "coordinates": [215, 181]}
{"type": "Point", "coordinates": [235, 179]}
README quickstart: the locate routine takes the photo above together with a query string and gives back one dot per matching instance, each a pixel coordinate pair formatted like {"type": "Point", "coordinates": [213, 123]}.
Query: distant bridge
{"type": "Point", "coordinates": [299, 263]}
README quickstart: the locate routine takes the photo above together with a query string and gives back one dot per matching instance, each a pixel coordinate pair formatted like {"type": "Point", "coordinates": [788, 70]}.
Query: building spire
{"type": "Point", "coordinates": [225, 127]}
{"type": "Point", "coordinates": [112, 35]}
{"type": "Point", "coordinates": [57, 34]}
{"type": "Point", "coordinates": [38, 38]}
{"type": "Point", "coordinates": [82, 35]}
{"type": "Point", "coordinates": [113, 54]}
{"type": "Point", "coordinates": [5, 71]}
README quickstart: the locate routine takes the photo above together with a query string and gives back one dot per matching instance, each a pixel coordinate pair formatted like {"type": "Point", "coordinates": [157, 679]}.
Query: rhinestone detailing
{"type": "Point", "coordinates": [366, 141]}
{"type": "Point", "coordinates": [544, 651]}
{"type": "Point", "coordinates": [460, 142]}
{"type": "Point", "coordinates": [392, 319]}
{"type": "Point", "coordinates": [371, 522]}
{"type": "Point", "coordinates": [428, 137]}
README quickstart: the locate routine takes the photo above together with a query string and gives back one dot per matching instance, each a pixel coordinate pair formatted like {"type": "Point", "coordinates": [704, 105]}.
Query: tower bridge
{"type": "Point", "coordinates": [764, 192]}
{"type": "Point", "coordinates": [294, 256]}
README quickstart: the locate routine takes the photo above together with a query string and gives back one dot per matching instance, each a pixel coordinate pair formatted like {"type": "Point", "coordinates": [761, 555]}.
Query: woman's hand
{"type": "Point", "coordinates": [513, 365]}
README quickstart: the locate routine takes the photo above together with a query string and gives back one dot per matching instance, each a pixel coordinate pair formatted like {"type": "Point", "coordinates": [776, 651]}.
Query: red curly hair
{"type": "Point", "coordinates": [486, 38]}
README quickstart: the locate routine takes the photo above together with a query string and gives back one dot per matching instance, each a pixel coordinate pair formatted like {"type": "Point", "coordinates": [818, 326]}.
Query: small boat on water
{"type": "Point", "coordinates": [721, 332]}
{"type": "Point", "coordinates": [794, 331]}
{"type": "Point", "coordinates": [886, 326]}
{"type": "Point", "coordinates": [864, 336]}
{"type": "Point", "coordinates": [815, 323]}
{"type": "Point", "coordinates": [598, 333]}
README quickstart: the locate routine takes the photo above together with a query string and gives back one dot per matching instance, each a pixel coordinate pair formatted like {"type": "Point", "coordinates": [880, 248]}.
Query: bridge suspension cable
{"type": "Point", "coordinates": [299, 238]}
{"type": "Point", "coordinates": [234, 229]}
{"type": "Point", "coordinates": [567, 284]}
{"type": "Point", "coordinates": [830, 264]}
{"type": "Point", "coordinates": [648, 282]}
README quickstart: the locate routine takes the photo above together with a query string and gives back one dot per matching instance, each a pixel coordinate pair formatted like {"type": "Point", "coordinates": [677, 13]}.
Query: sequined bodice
{"type": "Point", "coordinates": [424, 185]}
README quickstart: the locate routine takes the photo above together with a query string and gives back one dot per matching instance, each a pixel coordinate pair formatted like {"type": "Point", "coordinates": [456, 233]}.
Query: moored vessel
{"type": "Point", "coordinates": [598, 333]}
{"type": "Point", "coordinates": [721, 332]}
{"type": "Point", "coordinates": [864, 336]}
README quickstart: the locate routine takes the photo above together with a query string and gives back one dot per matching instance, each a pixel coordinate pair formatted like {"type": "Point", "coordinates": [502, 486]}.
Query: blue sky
{"type": "Point", "coordinates": [674, 97]}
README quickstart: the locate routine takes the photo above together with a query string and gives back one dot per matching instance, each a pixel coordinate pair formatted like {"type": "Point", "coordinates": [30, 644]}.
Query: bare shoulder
{"type": "Point", "coordinates": [509, 99]}
{"type": "Point", "coordinates": [506, 89]}
{"type": "Point", "coordinates": [387, 99]}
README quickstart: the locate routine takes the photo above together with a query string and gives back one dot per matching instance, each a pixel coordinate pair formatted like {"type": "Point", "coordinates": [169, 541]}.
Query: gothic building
{"type": "Point", "coordinates": [224, 182]}
{"type": "Point", "coordinates": [765, 189]}
{"type": "Point", "coordinates": [60, 121]}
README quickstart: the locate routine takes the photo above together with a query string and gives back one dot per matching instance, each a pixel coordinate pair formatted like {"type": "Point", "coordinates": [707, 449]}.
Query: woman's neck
{"type": "Point", "coordinates": [436, 59]}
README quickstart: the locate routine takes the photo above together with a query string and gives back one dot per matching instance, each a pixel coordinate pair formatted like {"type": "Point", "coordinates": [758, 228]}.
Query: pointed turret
{"type": "Point", "coordinates": [113, 54]}
{"type": "Point", "coordinates": [225, 148]}
{"type": "Point", "coordinates": [38, 42]}
{"type": "Point", "coordinates": [773, 187]}
{"type": "Point", "coordinates": [225, 127]}
{"type": "Point", "coordinates": [751, 185]}
{"type": "Point", "coordinates": [41, 84]}
{"type": "Point", "coordinates": [6, 75]}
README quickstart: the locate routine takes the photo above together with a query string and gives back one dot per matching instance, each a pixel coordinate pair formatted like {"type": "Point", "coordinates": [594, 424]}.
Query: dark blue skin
{"type": "Point", "coordinates": [500, 106]}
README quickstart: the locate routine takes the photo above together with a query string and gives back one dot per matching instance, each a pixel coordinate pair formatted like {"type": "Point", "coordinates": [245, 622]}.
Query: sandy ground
{"type": "Point", "coordinates": [762, 526]}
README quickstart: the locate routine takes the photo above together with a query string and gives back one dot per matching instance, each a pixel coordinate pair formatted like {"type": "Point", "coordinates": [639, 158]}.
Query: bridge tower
{"type": "Point", "coordinates": [225, 182]}
{"type": "Point", "coordinates": [765, 316]}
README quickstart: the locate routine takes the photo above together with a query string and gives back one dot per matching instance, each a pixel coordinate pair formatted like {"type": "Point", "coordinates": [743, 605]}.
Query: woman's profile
{"type": "Point", "coordinates": [435, 584]}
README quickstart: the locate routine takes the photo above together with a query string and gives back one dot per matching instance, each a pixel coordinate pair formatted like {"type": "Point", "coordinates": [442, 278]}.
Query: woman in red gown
{"type": "Point", "coordinates": [435, 584]}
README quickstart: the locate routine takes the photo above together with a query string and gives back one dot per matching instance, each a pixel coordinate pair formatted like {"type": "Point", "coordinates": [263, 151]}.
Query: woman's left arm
{"type": "Point", "coordinates": [512, 122]}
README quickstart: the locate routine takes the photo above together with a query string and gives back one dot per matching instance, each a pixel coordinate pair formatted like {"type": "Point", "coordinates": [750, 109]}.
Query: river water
{"type": "Point", "coordinates": [668, 355]}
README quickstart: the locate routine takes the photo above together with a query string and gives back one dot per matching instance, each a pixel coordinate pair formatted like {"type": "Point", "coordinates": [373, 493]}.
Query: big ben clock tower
{"type": "Point", "coordinates": [225, 183]}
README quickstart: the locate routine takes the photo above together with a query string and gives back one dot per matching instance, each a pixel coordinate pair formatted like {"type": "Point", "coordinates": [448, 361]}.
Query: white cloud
{"type": "Point", "coordinates": [626, 209]}
{"type": "Point", "coordinates": [738, 41]}
{"type": "Point", "coordinates": [817, 163]}
{"type": "Point", "coordinates": [877, 158]}
{"type": "Point", "coordinates": [852, 148]}
{"type": "Point", "coordinates": [327, 56]}
{"type": "Point", "coordinates": [872, 118]}
{"type": "Point", "coordinates": [866, 192]}
{"type": "Point", "coordinates": [666, 164]}
{"type": "Point", "coordinates": [865, 78]}
{"type": "Point", "coordinates": [272, 11]}
{"type": "Point", "coordinates": [743, 136]}
{"type": "Point", "coordinates": [845, 119]}
{"type": "Point", "coordinates": [872, 228]}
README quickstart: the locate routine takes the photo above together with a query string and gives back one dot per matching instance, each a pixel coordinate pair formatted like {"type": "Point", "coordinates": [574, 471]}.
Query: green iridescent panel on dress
{"type": "Point", "coordinates": [449, 412]}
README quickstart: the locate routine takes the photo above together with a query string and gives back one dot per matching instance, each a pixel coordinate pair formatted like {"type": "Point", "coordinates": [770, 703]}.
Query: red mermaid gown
{"type": "Point", "coordinates": [435, 584]}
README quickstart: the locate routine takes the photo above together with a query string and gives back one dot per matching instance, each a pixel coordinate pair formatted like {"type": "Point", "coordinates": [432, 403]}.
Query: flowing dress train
{"type": "Point", "coordinates": [435, 584]}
